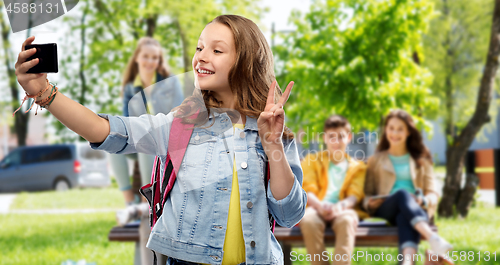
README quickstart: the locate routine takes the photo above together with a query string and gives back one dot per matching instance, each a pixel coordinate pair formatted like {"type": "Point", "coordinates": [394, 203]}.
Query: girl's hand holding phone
{"type": "Point", "coordinates": [271, 121]}
{"type": "Point", "coordinates": [31, 83]}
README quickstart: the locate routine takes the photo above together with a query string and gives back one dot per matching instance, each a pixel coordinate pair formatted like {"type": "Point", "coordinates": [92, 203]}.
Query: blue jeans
{"type": "Point", "coordinates": [401, 209]}
{"type": "Point", "coordinates": [172, 261]}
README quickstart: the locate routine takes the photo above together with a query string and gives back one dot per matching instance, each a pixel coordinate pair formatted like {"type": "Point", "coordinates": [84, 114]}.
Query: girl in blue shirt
{"type": "Point", "coordinates": [233, 67]}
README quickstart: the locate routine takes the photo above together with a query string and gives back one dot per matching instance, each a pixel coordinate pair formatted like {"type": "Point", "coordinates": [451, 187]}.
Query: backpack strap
{"type": "Point", "coordinates": [178, 141]}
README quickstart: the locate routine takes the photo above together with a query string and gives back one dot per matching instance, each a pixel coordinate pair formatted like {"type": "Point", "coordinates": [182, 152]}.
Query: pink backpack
{"type": "Point", "coordinates": [161, 184]}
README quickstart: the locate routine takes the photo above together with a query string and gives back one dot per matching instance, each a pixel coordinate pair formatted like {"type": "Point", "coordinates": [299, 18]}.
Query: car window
{"type": "Point", "coordinates": [46, 154]}
{"type": "Point", "coordinates": [88, 153]}
{"type": "Point", "coordinates": [14, 158]}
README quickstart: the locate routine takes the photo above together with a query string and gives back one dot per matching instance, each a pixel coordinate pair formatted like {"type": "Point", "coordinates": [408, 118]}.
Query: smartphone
{"type": "Point", "coordinates": [47, 53]}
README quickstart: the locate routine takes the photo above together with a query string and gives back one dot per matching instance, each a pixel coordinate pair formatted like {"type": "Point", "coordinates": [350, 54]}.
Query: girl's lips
{"type": "Point", "coordinates": [203, 72]}
{"type": "Point", "coordinates": [202, 75]}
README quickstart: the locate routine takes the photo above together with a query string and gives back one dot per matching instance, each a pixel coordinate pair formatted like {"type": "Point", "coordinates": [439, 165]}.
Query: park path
{"type": "Point", "coordinates": [7, 199]}
{"type": "Point", "coordinates": [487, 196]}
{"type": "Point", "coordinates": [5, 202]}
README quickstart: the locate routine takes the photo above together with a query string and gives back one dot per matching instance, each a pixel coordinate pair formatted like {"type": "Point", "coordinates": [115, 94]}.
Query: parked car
{"type": "Point", "coordinates": [59, 167]}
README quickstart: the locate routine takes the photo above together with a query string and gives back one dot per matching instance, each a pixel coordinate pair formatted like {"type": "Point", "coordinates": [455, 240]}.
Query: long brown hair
{"type": "Point", "coordinates": [249, 78]}
{"type": "Point", "coordinates": [132, 68]}
{"type": "Point", "coordinates": [414, 142]}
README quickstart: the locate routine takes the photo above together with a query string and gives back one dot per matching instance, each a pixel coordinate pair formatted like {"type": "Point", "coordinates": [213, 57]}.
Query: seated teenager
{"type": "Point", "coordinates": [401, 174]}
{"type": "Point", "coordinates": [334, 185]}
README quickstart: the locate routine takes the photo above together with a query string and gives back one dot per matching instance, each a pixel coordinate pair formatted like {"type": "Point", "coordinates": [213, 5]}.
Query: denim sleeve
{"type": "Point", "coordinates": [127, 95]}
{"type": "Point", "coordinates": [288, 211]}
{"type": "Point", "coordinates": [144, 134]}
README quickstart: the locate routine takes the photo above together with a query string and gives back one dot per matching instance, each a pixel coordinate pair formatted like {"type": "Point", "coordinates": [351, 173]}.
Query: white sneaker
{"type": "Point", "coordinates": [126, 215]}
{"type": "Point", "coordinates": [439, 245]}
{"type": "Point", "coordinates": [143, 209]}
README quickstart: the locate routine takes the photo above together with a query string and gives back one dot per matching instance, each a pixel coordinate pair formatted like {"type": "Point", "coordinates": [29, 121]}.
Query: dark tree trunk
{"type": "Point", "coordinates": [150, 22]}
{"type": "Point", "coordinates": [151, 25]}
{"type": "Point", "coordinates": [188, 83]}
{"type": "Point", "coordinates": [136, 179]}
{"type": "Point", "coordinates": [21, 119]}
{"type": "Point", "coordinates": [456, 152]}
{"type": "Point", "coordinates": [102, 7]}
{"type": "Point", "coordinates": [466, 196]}
{"type": "Point", "coordinates": [81, 73]}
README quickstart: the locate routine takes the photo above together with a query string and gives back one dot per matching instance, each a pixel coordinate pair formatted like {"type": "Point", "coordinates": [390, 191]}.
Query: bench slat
{"type": "Point", "coordinates": [365, 235]}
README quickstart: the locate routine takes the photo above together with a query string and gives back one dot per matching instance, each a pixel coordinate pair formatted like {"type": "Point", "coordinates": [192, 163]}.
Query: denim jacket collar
{"type": "Point", "coordinates": [251, 123]}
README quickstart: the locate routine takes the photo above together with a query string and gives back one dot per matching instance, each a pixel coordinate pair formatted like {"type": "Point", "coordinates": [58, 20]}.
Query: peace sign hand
{"type": "Point", "coordinates": [271, 121]}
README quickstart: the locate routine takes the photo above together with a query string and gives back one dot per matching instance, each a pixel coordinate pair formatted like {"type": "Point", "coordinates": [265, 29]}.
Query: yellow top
{"type": "Point", "coordinates": [138, 82]}
{"type": "Point", "coordinates": [234, 244]}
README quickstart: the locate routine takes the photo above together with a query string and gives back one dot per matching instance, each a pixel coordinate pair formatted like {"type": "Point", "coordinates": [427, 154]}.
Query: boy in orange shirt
{"type": "Point", "coordinates": [334, 183]}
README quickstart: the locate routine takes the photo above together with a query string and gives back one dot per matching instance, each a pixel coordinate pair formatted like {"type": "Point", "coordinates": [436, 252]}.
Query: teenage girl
{"type": "Point", "coordinates": [218, 210]}
{"type": "Point", "coordinates": [401, 173]}
{"type": "Point", "coordinates": [146, 71]}
{"type": "Point", "coordinates": [145, 68]}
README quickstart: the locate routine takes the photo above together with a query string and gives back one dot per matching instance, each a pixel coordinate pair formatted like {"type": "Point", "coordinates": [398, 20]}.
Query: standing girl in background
{"type": "Point", "coordinates": [401, 170]}
{"type": "Point", "coordinates": [217, 211]}
{"type": "Point", "coordinates": [145, 69]}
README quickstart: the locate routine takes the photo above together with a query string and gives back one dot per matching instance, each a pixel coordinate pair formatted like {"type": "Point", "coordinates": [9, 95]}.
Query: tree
{"type": "Point", "coordinates": [356, 58]}
{"type": "Point", "coordinates": [460, 141]}
{"type": "Point", "coordinates": [20, 119]}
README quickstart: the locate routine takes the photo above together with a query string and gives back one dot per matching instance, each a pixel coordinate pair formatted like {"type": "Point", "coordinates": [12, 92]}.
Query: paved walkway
{"type": "Point", "coordinates": [5, 202]}
{"type": "Point", "coordinates": [7, 199]}
{"type": "Point", "coordinates": [64, 211]}
{"type": "Point", "coordinates": [486, 196]}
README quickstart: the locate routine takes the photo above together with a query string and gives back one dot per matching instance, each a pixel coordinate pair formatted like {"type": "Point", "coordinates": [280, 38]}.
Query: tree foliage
{"type": "Point", "coordinates": [358, 59]}
{"type": "Point", "coordinates": [455, 46]}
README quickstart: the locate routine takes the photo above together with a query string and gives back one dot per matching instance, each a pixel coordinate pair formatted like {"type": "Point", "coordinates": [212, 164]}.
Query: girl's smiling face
{"type": "Point", "coordinates": [215, 56]}
{"type": "Point", "coordinates": [396, 132]}
{"type": "Point", "coordinates": [148, 59]}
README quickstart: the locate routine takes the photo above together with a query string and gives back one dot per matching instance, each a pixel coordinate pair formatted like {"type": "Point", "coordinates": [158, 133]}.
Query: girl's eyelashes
{"type": "Point", "coordinates": [198, 49]}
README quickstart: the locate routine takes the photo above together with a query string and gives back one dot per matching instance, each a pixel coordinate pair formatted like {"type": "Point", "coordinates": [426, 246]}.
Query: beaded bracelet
{"type": "Point", "coordinates": [32, 96]}
{"type": "Point", "coordinates": [47, 101]}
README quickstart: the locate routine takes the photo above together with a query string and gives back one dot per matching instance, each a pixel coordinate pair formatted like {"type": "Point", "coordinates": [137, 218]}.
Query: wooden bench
{"type": "Point", "coordinates": [369, 234]}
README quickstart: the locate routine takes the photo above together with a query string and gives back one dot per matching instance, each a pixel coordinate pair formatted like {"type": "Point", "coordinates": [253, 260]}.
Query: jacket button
{"type": "Point", "coordinates": [249, 205]}
{"type": "Point", "coordinates": [244, 165]}
{"type": "Point", "coordinates": [252, 244]}
{"type": "Point", "coordinates": [197, 137]}
{"type": "Point", "coordinates": [242, 134]}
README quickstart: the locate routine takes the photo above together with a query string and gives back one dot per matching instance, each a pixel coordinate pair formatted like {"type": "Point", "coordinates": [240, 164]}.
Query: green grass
{"type": "Point", "coordinates": [440, 169]}
{"type": "Point", "coordinates": [479, 232]}
{"type": "Point", "coordinates": [52, 239]}
{"type": "Point", "coordinates": [72, 199]}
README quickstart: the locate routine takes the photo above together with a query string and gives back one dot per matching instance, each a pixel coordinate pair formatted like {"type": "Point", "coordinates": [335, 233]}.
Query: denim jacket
{"type": "Point", "coordinates": [194, 219]}
{"type": "Point", "coordinates": [165, 95]}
